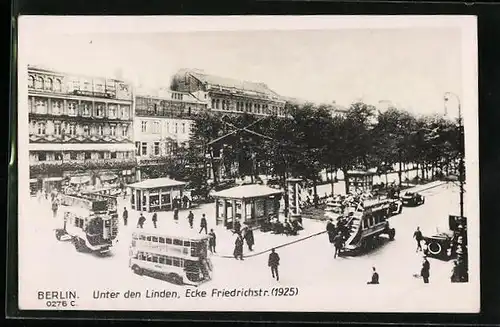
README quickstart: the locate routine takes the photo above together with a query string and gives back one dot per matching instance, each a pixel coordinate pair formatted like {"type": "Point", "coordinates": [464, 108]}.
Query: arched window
{"type": "Point", "coordinates": [39, 82]}
{"type": "Point", "coordinates": [31, 82]}
{"type": "Point", "coordinates": [48, 84]}
{"type": "Point", "coordinates": [57, 85]}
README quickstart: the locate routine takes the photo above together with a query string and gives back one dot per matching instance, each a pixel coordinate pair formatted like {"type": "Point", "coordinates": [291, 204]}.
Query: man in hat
{"type": "Point", "coordinates": [274, 262]}
{"type": "Point", "coordinates": [425, 271]}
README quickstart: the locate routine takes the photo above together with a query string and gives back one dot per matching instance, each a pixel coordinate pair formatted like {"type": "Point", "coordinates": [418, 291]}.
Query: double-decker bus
{"type": "Point", "coordinates": [90, 221]}
{"type": "Point", "coordinates": [367, 223]}
{"type": "Point", "coordinates": [179, 256]}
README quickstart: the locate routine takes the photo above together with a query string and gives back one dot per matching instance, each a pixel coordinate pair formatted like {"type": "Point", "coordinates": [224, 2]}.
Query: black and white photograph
{"type": "Point", "coordinates": [248, 163]}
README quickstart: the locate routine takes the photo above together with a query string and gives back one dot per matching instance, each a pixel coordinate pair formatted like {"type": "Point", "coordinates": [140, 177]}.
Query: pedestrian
{"type": "Point", "coordinates": [274, 262]}
{"type": "Point", "coordinates": [249, 238]}
{"type": "Point", "coordinates": [185, 199]}
{"type": "Point", "coordinates": [190, 218]}
{"type": "Point", "coordinates": [154, 219]}
{"type": "Point", "coordinates": [338, 242]}
{"type": "Point", "coordinates": [125, 216]}
{"type": "Point", "coordinates": [203, 224]}
{"type": "Point", "coordinates": [374, 277]}
{"type": "Point", "coordinates": [455, 272]}
{"type": "Point", "coordinates": [424, 272]}
{"type": "Point", "coordinates": [141, 221]}
{"type": "Point", "coordinates": [212, 241]}
{"type": "Point", "coordinates": [238, 247]}
{"type": "Point", "coordinates": [237, 227]}
{"type": "Point", "coordinates": [55, 206]}
{"type": "Point", "coordinates": [418, 237]}
{"type": "Point", "coordinates": [176, 215]}
{"type": "Point", "coordinates": [330, 230]}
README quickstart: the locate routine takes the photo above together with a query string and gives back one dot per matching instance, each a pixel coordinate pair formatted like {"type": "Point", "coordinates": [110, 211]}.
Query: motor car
{"type": "Point", "coordinates": [412, 199]}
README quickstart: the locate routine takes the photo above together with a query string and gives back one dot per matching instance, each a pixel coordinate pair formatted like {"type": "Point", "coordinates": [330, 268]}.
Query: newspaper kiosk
{"type": "Point", "coordinates": [156, 194]}
{"type": "Point", "coordinates": [250, 204]}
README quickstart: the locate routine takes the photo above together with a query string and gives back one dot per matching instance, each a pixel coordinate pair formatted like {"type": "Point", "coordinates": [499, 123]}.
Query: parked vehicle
{"type": "Point", "coordinates": [412, 199]}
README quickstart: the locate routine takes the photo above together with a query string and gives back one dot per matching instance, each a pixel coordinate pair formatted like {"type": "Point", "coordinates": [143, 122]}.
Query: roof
{"type": "Point", "coordinates": [232, 83]}
{"type": "Point", "coordinates": [156, 183]}
{"type": "Point", "coordinates": [171, 230]}
{"type": "Point", "coordinates": [247, 191]}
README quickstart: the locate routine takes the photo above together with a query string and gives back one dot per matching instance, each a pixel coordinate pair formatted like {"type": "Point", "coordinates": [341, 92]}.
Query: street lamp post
{"type": "Point", "coordinates": [461, 165]}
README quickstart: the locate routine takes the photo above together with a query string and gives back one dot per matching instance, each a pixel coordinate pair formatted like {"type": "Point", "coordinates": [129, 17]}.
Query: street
{"type": "Point", "coordinates": [308, 265]}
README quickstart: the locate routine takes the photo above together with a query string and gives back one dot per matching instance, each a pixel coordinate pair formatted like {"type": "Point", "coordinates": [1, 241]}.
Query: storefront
{"type": "Point", "coordinates": [360, 181]}
{"type": "Point", "coordinates": [250, 204]}
{"type": "Point", "coordinates": [155, 194]}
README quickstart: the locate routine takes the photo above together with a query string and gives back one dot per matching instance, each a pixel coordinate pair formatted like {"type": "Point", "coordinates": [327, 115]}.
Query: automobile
{"type": "Point", "coordinates": [412, 199]}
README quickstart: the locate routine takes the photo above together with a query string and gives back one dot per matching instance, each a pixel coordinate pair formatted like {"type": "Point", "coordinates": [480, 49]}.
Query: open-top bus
{"type": "Point", "coordinates": [366, 224]}
{"type": "Point", "coordinates": [177, 255]}
{"type": "Point", "coordinates": [90, 221]}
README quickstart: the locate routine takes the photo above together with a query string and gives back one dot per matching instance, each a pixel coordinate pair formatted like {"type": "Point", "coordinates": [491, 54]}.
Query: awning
{"type": "Point", "coordinates": [247, 191]}
{"type": "Point", "coordinates": [80, 180]}
{"type": "Point", "coordinates": [156, 183]}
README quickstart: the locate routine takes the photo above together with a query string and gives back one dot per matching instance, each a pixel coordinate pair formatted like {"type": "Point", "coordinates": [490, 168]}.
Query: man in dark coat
{"type": "Point", "coordinates": [212, 241]}
{"type": "Point", "coordinates": [274, 262]}
{"type": "Point", "coordinates": [125, 216]}
{"type": "Point", "coordinates": [176, 215]}
{"type": "Point", "coordinates": [154, 219]}
{"type": "Point", "coordinates": [249, 238]}
{"type": "Point", "coordinates": [330, 229]}
{"type": "Point", "coordinates": [203, 224]}
{"type": "Point", "coordinates": [190, 218]}
{"type": "Point", "coordinates": [424, 272]}
{"type": "Point", "coordinates": [141, 221]}
{"type": "Point", "coordinates": [238, 247]}
{"type": "Point", "coordinates": [418, 237]}
{"type": "Point", "coordinates": [338, 242]}
{"type": "Point", "coordinates": [374, 277]}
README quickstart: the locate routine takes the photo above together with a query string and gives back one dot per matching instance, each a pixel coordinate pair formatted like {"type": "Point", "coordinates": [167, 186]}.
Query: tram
{"type": "Point", "coordinates": [366, 224]}
{"type": "Point", "coordinates": [90, 221]}
{"type": "Point", "coordinates": [180, 257]}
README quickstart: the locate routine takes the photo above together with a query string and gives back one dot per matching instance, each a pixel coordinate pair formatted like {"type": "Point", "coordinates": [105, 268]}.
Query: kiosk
{"type": "Point", "coordinates": [360, 181]}
{"type": "Point", "coordinates": [250, 204]}
{"type": "Point", "coordinates": [156, 194]}
{"type": "Point", "coordinates": [294, 190]}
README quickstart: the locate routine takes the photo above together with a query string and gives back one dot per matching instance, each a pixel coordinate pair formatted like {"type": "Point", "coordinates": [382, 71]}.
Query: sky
{"type": "Point", "coordinates": [411, 67]}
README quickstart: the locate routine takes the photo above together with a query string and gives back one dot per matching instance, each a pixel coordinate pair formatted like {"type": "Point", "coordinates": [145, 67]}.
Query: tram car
{"type": "Point", "coordinates": [179, 257]}
{"type": "Point", "coordinates": [412, 199]}
{"type": "Point", "coordinates": [90, 222]}
{"type": "Point", "coordinates": [367, 224]}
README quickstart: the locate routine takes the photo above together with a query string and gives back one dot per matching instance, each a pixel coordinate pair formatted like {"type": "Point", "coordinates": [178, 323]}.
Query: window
{"type": "Point", "coordinates": [177, 242]}
{"type": "Point", "coordinates": [39, 83]}
{"type": "Point", "coordinates": [183, 128]}
{"type": "Point", "coordinates": [113, 155]}
{"type": "Point", "coordinates": [72, 155]}
{"type": "Point", "coordinates": [144, 126]}
{"type": "Point", "coordinates": [125, 110]}
{"type": "Point", "coordinates": [58, 156]}
{"type": "Point", "coordinates": [125, 130]}
{"type": "Point", "coordinates": [48, 84]}
{"type": "Point", "coordinates": [168, 240]}
{"type": "Point", "coordinates": [175, 128]}
{"type": "Point", "coordinates": [137, 148]}
{"type": "Point", "coordinates": [100, 155]}
{"type": "Point", "coordinates": [88, 155]}
{"type": "Point", "coordinates": [217, 103]}
{"type": "Point", "coordinates": [72, 108]}
{"type": "Point", "coordinates": [87, 86]}
{"type": "Point", "coordinates": [162, 259]}
{"type": "Point", "coordinates": [100, 110]}
{"type": "Point", "coordinates": [31, 82]}
{"type": "Point", "coordinates": [57, 128]}
{"type": "Point", "coordinates": [99, 87]}
{"type": "Point", "coordinates": [112, 130]}
{"type": "Point", "coordinates": [100, 130]}
{"type": "Point", "coordinates": [112, 110]}
{"type": "Point", "coordinates": [86, 108]}
{"type": "Point", "coordinates": [157, 148]}
{"type": "Point", "coordinates": [86, 130]}
{"type": "Point", "coordinates": [41, 128]}
{"type": "Point", "coordinates": [42, 156]}
{"type": "Point", "coordinates": [72, 129]}
{"type": "Point", "coordinates": [167, 127]}
{"type": "Point", "coordinates": [41, 106]}
{"type": "Point", "coordinates": [56, 107]}
{"type": "Point", "coordinates": [189, 111]}
{"type": "Point", "coordinates": [144, 148]}
{"type": "Point", "coordinates": [162, 240]}
{"type": "Point", "coordinates": [213, 103]}
{"type": "Point", "coordinates": [57, 85]}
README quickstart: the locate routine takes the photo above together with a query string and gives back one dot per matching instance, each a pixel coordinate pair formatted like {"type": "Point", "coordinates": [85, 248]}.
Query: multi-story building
{"type": "Point", "coordinates": [80, 129]}
{"type": "Point", "coordinates": [162, 123]}
{"type": "Point", "coordinates": [229, 96]}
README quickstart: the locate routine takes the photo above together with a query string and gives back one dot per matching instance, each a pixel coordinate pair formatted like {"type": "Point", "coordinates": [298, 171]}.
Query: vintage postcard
{"type": "Point", "coordinates": [285, 163]}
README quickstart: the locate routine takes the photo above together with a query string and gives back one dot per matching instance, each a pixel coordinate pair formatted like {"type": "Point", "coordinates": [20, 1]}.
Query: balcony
{"type": "Point", "coordinates": [79, 118]}
{"type": "Point", "coordinates": [66, 138]}
{"type": "Point", "coordinates": [55, 166]}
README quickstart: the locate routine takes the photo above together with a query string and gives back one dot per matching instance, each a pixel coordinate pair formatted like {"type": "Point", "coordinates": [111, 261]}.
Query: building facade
{"type": "Point", "coordinates": [229, 96]}
{"type": "Point", "coordinates": [80, 130]}
{"type": "Point", "coordinates": [162, 124]}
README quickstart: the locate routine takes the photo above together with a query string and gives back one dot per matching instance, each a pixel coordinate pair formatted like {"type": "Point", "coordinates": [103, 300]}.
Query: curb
{"type": "Point", "coordinates": [275, 247]}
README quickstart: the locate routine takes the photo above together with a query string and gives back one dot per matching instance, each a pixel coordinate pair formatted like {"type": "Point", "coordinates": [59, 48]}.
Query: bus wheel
{"type": "Point", "coordinates": [78, 244]}
{"type": "Point", "coordinates": [138, 270]}
{"type": "Point", "coordinates": [59, 234]}
{"type": "Point", "coordinates": [392, 233]}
